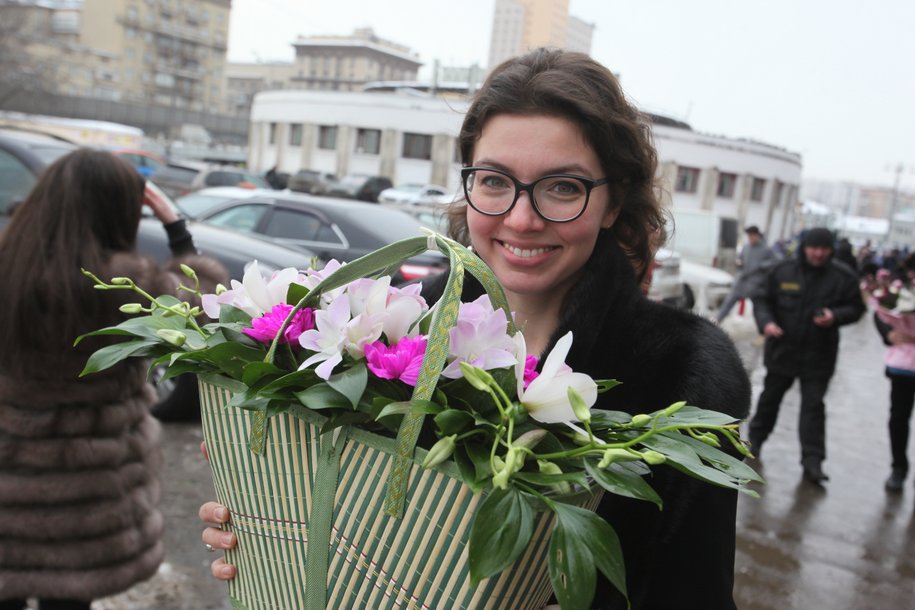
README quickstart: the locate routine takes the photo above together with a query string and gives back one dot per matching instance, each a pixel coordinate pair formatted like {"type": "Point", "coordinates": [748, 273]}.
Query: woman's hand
{"type": "Point", "coordinates": [159, 207]}
{"type": "Point", "coordinates": [214, 513]}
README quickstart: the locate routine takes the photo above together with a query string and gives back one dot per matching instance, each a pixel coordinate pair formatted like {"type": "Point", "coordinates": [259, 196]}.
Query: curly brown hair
{"type": "Point", "coordinates": [575, 87]}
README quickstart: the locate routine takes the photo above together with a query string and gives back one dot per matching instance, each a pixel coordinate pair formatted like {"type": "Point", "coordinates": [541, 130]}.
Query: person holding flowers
{"type": "Point", "coordinates": [561, 203]}
{"type": "Point", "coordinates": [893, 301]}
{"type": "Point", "coordinates": [79, 458]}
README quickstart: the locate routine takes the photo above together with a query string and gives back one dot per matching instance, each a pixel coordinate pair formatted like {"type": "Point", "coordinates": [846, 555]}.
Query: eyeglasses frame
{"type": "Point", "coordinates": [528, 187]}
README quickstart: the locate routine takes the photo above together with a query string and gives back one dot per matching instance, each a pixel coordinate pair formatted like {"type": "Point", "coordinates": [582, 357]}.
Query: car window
{"type": "Point", "coordinates": [15, 181]}
{"type": "Point", "coordinates": [223, 178]}
{"type": "Point", "coordinates": [240, 217]}
{"type": "Point", "coordinates": [174, 173]}
{"type": "Point", "coordinates": [196, 204]}
{"type": "Point", "coordinates": [291, 224]}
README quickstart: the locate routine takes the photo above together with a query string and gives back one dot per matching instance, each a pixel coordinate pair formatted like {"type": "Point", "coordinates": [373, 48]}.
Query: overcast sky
{"type": "Point", "coordinates": [833, 80]}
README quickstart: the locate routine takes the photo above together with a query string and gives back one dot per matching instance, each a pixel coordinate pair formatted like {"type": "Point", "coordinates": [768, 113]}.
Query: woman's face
{"type": "Point", "coordinates": [530, 255]}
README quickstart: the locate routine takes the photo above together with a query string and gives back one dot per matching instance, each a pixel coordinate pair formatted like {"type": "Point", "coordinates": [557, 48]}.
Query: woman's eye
{"type": "Point", "coordinates": [565, 188]}
{"type": "Point", "coordinates": [494, 181]}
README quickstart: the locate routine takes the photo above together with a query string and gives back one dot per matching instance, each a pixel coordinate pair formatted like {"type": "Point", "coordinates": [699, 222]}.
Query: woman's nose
{"type": "Point", "coordinates": [523, 216]}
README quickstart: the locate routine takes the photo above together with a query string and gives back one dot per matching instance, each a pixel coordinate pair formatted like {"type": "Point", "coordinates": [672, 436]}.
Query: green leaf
{"type": "Point", "coordinates": [110, 355]}
{"type": "Point", "coordinates": [453, 421]}
{"type": "Point", "coordinates": [351, 382]}
{"type": "Point", "coordinates": [466, 469]}
{"type": "Point", "coordinates": [545, 480]}
{"type": "Point", "coordinates": [720, 459]}
{"type": "Point", "coordinates": [222, 381]}
{"type": "Point", "coordinates": [623, 482]}
{"type": "Point", "coordinates": [304, 378]}
{"type": "Point", "coordinates": [571, 561]}
{"type": "Point", "coordinates": [230, 358]}
{"type": "Point", "coordinates": [502, 527]}
{"type": "Point", "coordinates": [321, 396]}
{"type": "Point", "coordinates": [600, 539]}
{"type": "Point", "coordinates": [684, 458]}
{"type": "Point", "coordinates": [395, 408]}
{"type": "Point", "coordinates": [229, 314]}
{"type": "Point", "coordinates": [478, 453]}
{"type": "Point", "coordinates": [694, 415]}
{"type": "Point", "coordinates": [296, 293]}
{"type": "Point", "coordinates": [254, 372]}
{"type": "Point", "coordinates": [344, 419]}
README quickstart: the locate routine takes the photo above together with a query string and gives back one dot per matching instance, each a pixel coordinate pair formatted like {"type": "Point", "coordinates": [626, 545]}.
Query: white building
{"type": "Point", "coordinates": [413, 138]}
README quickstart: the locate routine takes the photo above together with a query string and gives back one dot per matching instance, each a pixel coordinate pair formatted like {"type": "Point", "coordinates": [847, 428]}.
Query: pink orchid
{"type": "Point", "coordinates": [400, 361]}
{"type": "Point", "coordinates": [264, 329]}
{"type": "Point", "coordinates": [480, 337]}
{"type": "Point", "coordinates": [530, 369]}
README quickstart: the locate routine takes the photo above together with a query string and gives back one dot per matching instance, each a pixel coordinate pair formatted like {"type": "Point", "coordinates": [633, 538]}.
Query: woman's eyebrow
{"type": "Point", "coordinates": [572, 168]}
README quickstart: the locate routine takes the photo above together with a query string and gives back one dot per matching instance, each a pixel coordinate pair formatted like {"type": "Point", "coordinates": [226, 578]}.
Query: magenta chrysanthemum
{"type": "Point", "coordinates": [264, 328]}
{"type": "Point", "coordinates": [399, 361]}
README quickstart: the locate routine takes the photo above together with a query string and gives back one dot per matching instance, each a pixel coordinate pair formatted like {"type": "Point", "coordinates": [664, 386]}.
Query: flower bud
{"type": "Point", "coordinates": [175, 337]}
{"type": "Point", "coordinates": [500, 479]}
{"type": "Point", "coordinates": [131, 308]}
{"type": "Point", "coordinates": [642, 419]}
{"type": "Point", "coordinates": [477, 377]}
{"type": "Point", "coordinates": [120, 281]}
{"type": "Point", "coordinates": [653, 457]}
{"type": "Point", "coordinates": [673, 408]}
{"type": "Point", "coordinates": [581, 410]}
{"type": "Point", "coordinates": [616, 454]}
{"type": "Point", "coordinates": [440, 451]}
{"type": "Point", "coordinates": [220, 289]}
{"type": "Point", "coordinates": [498, 463]}
{"type": "Point", "coordinates": [709, 438]}
{"type": "Point", "coordinates": [547, 467]}
{"type": "Point", "coordinates": [188, 271]}
{"type": "Point", "coordinates": [529, 439]}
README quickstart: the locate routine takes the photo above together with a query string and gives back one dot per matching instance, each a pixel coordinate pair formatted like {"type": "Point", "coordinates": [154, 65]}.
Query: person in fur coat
{"type": "Point", "coordinates": [560, 202]}
{"type": "Point", "coordinates": [79, 458]}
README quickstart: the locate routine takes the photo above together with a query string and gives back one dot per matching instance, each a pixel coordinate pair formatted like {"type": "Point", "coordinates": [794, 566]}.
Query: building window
{"type": "Point", "coordinates": [726, 184]}
{"type": "Point", "coordinates": [756, 191]}
{"type": "Point", "coordinates": [417, 146]}
{"type": "Point", "coordinates": [687, 180]}
{"type": "Point", "coordinates": [272, 139]}
{"type": "Point", "coordinates": [327, 137]}
{"type": "Point", "coordinates": [368, 141]}
{"type": "Point", "coordinates": [295, 135]}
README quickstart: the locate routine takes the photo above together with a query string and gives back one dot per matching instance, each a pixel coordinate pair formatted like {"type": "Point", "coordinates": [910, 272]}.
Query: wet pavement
{"type": "Point", "coordinates": [848, 545]}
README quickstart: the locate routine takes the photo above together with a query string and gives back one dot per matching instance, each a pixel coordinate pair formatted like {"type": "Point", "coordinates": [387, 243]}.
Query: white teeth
{"type": "Point", "coordinates": [524, 253]}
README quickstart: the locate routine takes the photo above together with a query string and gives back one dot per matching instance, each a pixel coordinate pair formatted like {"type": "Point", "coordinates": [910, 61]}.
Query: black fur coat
{"type": "Point", "coordinates": [681, 558]}
{"type": "Point", "coordinates": [79, 464]}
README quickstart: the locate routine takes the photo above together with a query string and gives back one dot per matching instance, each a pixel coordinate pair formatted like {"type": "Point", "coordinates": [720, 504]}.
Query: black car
{"type": "Point", "coordinates": [358, 186]}
{"type": "Point", "coordinates": [331, 228]}
{"type": "Point", "coordinates": [181, 178]}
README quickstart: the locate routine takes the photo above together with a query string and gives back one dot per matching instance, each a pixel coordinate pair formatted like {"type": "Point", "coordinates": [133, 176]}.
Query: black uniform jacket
{"type": "Point", "coordinates": [793, 293]}
{"type": "Point", "coordinates": [680, 558]}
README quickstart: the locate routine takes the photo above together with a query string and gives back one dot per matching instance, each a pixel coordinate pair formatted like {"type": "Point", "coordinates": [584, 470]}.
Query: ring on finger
{"type": "Point", "coordinates": [210, 547]}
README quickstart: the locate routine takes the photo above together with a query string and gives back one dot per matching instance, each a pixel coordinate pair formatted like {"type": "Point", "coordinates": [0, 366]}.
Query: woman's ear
{"type": "Point", "coordinates": [610, 217]}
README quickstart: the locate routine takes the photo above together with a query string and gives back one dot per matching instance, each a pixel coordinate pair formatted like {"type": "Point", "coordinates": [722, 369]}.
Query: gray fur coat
{"type": "Point", "coordinates": [79, 465]}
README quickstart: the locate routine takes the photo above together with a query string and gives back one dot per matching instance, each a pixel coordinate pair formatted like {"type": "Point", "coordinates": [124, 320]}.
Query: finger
{"type": "Point", "coordinates": [222, 570]}
{"type": "Point", "coordinates": [203, 450]}
{"type": "Point", "coordinates": [218, 539]}
{"type": "Point", "coordinates": [213, 512]}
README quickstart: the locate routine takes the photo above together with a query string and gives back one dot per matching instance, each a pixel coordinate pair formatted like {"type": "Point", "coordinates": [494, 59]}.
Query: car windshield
{"type": "Point", "coordinates": [390, 225]}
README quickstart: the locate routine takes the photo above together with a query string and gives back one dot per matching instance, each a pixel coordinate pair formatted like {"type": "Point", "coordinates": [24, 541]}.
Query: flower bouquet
{"type": "Point", "coordinates": [378, 453]}
{"type": "Point", "coordinates": [893, 300]}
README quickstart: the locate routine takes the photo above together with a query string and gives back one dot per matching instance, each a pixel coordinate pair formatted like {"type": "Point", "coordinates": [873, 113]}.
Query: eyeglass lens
{"type": "Point", "coordinates": [556, 197]}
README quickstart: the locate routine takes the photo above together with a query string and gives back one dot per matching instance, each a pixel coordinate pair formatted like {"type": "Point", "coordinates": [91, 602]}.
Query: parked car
{"type": "Point", "coordinates": [23, 156]}
{"type": "Point", "coordinates": [708, 285]}
{"type": "Point", "coordinates": [416, 194]}
{"type": "Point", "coordinates": [146, 162]}
{"type": "Point", "coordinates": [311, 181]}
{"type": "Point", "coordinates": [666, 283]}
{"type": "Point", "coordinates": [358, 186]}
{"type": "Point", "coordinates": [198, 203]}
{"type": "Point", "coordinates": [434, 217]}
{"type": "Point", "coordinates": [180, 178]}
{"type": "Point", "coordinates": [341, 230]}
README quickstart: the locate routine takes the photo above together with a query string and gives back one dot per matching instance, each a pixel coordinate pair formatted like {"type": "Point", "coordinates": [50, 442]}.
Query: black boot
{"type": "Point", "coordinates": [895, 482]}
{"type": "Point", "coordinates": [813, 473]}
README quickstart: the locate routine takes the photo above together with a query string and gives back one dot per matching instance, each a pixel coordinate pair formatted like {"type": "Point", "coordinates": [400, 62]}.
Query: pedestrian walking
{"type": "Point", "coordinates": [894, 317]}
{"type": "Point", "coordinates": [803, 303]}
{"type": "Point", "coordinates": [755, 260]}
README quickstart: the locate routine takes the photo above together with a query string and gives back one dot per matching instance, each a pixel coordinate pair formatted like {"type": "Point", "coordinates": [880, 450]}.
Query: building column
{"type": "Point", "coordinates": [789, 200]}
{"type": "Point", "coordinates": [667, 182]}
{"type": "Point", "coordinates": [309, 141]}
{"type": "Point", "coordinates": [282, 139]}
{"type": "Point", "coordinates": [771, 204]}
{"type": "Point", "coordinates": [707, 188]}
{"type": "Point", "coordinates": [742, 197]}
{"type": "Point", "coordinates": [388, 151]}
{"type": "Point", "coordinates": [344, 147]}
{"type": "Point", "coordinates": [256, 146]}
{"type": "Point", "coordinates": [442, 154]}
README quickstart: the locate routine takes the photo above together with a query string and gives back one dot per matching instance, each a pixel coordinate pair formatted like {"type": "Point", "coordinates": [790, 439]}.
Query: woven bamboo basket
{"type": "Point", "coordinates": [377, 562]}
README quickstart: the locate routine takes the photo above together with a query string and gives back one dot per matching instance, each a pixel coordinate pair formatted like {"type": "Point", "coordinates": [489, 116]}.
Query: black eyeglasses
{"type": "Point", "coordinates": [557, 197]}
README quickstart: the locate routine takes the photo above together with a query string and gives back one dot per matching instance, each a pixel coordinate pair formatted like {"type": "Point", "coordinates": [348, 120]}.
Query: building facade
{"type": "Point", "coordinates": [329, 63]}
{"type": "Point", "coordinates": [521, 25]}
{"type": "Point", "coordinates": [164, 52]}
{"type": "Point", "coordinates": [410, 138]}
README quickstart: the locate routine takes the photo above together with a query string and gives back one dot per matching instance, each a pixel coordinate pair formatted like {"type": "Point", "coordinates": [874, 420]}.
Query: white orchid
{"type": "Point", "coordinates": [480, 337]}
{"type": "Point", "coordinates": [337, 332]}
{"type": "Point", "coordinates": [254, 295]}
{"type": "Point", "coordinates": [546, 397]}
